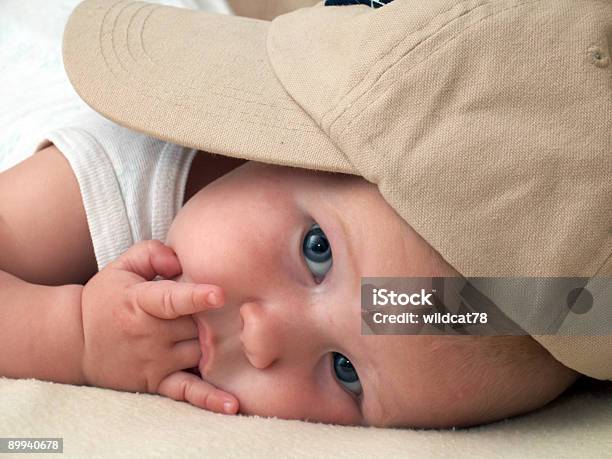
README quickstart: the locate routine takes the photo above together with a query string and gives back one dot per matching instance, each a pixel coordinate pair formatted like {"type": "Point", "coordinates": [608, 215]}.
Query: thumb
{"type": "Point", "coordinates": [149, 259]}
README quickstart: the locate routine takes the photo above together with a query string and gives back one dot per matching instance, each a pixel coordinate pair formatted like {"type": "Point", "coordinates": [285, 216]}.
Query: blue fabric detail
{"type": "Point", "coordinates": [370, 3]}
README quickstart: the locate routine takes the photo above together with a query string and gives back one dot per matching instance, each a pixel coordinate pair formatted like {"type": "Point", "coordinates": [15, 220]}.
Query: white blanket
{"type": "Point", "coordinates": [101, 423]}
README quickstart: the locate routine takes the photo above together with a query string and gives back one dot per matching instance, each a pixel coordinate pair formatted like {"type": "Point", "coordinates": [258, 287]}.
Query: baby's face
{"type": "Point", "coordinates": [289, 247]}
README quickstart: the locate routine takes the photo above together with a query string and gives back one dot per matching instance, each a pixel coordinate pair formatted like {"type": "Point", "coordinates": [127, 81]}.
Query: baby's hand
{"type": "Point", "coordinates": [138, 335]}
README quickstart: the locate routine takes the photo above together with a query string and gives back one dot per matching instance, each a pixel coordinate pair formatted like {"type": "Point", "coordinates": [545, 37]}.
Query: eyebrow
{"type": "Point", "coordinates": [346, 236]}
{"type": "Point", "coordinates": [375, 386]}
{"type": "Point", "coordinates": [374, 394]}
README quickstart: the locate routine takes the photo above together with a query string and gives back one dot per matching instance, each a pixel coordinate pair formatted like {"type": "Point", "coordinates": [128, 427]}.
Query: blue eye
{"type": "Point", "coordinates": [317, 252]}
{"type": "Point", "coordinates": [346, 373]}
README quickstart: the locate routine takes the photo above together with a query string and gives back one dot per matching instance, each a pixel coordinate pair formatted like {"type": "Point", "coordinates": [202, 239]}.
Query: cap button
{"type": "Point", "coordinates": [598, 56]}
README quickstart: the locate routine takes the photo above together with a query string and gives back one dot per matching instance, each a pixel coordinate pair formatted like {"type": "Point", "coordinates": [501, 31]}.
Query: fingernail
{"type": "Point", "coordinates": [213, 299]}
{"type": "Point", "coordinates": [228, 407]}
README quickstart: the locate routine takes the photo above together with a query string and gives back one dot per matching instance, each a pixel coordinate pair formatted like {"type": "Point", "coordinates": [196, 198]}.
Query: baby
{"type": "Point", "coordinates": [249, 301]}
{"type": "Point", "coordinates": [268, 259]}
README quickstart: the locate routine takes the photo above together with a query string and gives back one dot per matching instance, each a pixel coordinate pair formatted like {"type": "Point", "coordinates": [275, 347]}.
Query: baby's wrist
{"type": "Point", "coordinates": [43, 335]}
{"type": "Point", "coordinates": [73, 340]}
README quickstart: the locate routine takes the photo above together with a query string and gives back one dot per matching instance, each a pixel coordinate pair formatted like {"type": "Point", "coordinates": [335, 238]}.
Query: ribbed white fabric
{"type": "Point", "coordinates": [132, 185]}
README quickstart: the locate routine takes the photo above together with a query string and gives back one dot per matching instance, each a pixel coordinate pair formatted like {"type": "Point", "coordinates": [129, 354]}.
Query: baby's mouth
{"type": "Point", "coordinates": [205, 337]}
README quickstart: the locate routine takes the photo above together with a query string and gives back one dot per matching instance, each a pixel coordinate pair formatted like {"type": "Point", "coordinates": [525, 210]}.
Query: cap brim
{"type": "Point", "coordinates": [194, 78]}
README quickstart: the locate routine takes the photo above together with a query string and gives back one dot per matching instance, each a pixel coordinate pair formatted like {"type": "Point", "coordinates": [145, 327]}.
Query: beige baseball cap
{"type": "Point", "coordinates": [486, 124]}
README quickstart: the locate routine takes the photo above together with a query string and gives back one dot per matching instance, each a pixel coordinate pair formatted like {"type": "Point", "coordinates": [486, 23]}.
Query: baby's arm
{"type": "Point", "coordinates": [44, 236]}
{"type": "Point", "coordinates": [41, 336]}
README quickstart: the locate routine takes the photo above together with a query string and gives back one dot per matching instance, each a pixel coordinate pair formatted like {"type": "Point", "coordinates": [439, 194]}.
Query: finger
{"type": "Point", "coordinates": [168, 299]}
{"type": "Point", "coordinates": [187, 387]}
{"type": "Point", "coordinates": [186, 354]}
{"type": "Point", "coordinates": [181, 329]}
{"type": "Point", "coordinates": [148, 259]}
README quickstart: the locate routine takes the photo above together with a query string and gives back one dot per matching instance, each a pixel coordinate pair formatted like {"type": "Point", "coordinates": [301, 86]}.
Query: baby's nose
{"type": "Point", "coordinates": [261, 335]}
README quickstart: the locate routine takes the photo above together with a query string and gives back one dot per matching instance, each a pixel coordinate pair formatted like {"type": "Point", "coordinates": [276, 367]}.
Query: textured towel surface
{"type": "Point", "coordinates": [98, 423]}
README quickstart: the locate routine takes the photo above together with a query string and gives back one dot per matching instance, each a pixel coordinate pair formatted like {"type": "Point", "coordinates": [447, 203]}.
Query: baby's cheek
{"type": "Point", "coordinates": [191, 268]}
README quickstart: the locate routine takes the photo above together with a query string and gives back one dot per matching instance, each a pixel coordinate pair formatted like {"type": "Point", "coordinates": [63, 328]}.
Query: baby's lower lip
{"type": "Point", "coordinates": [205, 346]}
